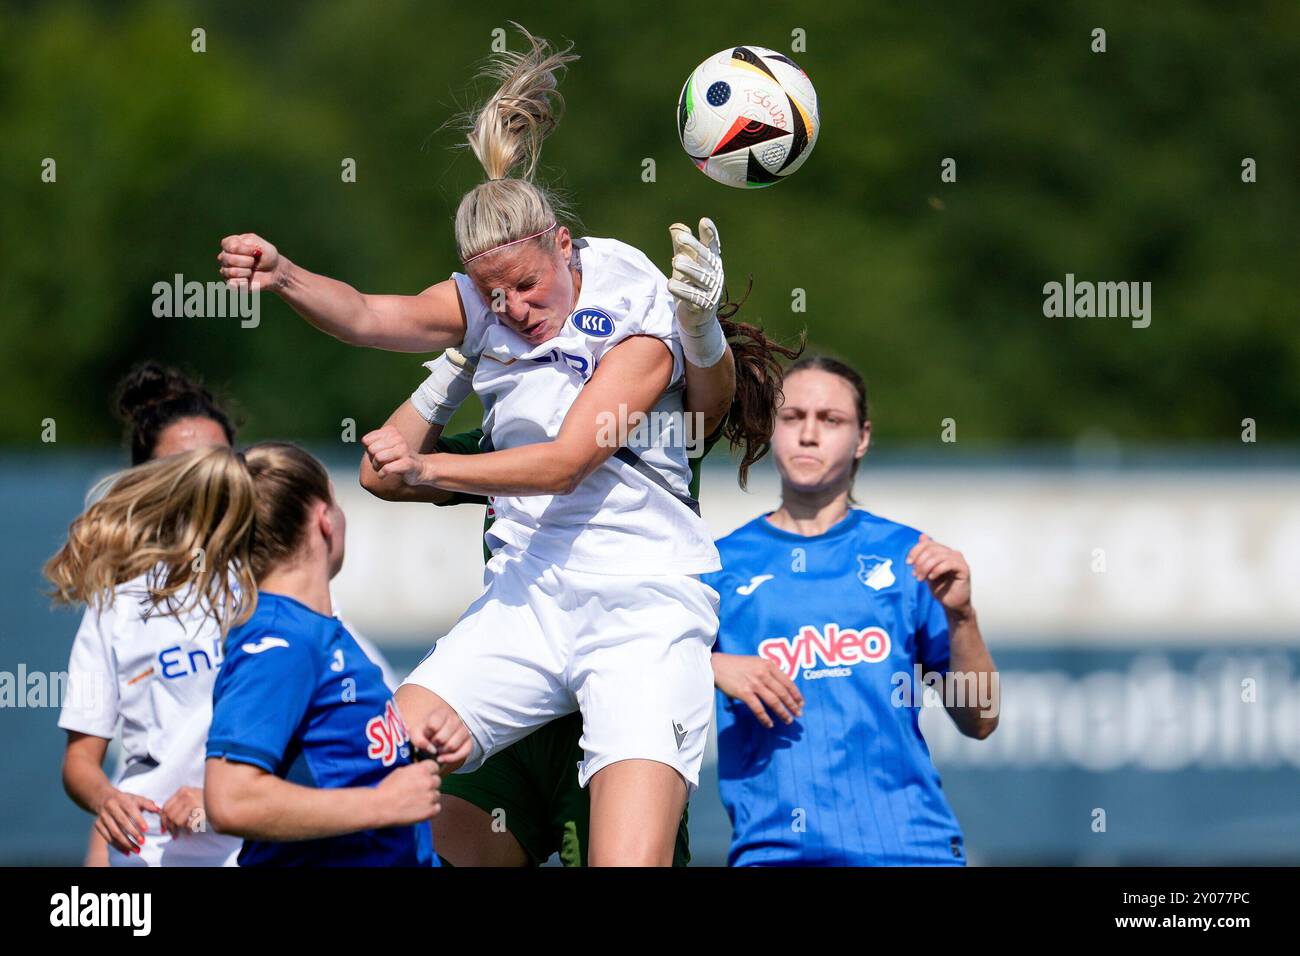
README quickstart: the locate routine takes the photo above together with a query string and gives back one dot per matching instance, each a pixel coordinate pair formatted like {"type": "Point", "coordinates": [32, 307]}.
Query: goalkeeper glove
{"type": "Point", "coordinates": [696, 284]}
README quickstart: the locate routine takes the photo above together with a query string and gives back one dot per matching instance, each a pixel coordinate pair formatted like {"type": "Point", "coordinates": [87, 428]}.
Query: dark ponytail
{"type": "Point", "coordinates": [752, 417]}
{"type": "Point", "coordinates": [153, 396]}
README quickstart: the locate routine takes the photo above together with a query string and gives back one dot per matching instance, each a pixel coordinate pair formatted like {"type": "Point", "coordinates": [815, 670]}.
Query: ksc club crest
{"type": "Point", "coordinates": [875, 572]}
{"type": "Point", "coordinates": [594, 322]}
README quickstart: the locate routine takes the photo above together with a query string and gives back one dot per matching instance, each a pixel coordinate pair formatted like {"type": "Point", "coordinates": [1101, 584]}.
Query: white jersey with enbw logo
{"type": "Point", "coordinates": [634, 514]}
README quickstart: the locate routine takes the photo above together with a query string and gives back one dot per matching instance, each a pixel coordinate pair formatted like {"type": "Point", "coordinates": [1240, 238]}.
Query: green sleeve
{"type": "Point", "coordinates": [695, 462]}
{"type": "Point", "coordinates": [464, 443]}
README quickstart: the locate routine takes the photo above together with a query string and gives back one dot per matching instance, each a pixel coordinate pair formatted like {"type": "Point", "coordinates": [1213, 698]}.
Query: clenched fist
{"type": "Point", "coordinates": [248, 260]}
{"type": "Point", "coordinates": [391, 456]}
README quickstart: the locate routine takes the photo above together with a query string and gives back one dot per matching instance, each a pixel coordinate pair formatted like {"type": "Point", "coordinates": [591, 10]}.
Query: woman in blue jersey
{"type": "Point", "coordinates": [308, 759]}
{"type": "Point", "coordinates": [827, 611]}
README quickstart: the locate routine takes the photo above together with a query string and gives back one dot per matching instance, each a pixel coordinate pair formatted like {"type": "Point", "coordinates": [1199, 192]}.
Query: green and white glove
{"type": "Point", "coordinates": [451, 379]}
{"type": "Point", "coordinates": [696, 284]}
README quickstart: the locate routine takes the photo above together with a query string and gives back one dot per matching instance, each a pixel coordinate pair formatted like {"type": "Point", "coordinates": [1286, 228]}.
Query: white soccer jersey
{"type": "Point", "coordinates": [634, 514]}
{"type": "Point", "coordinates": [155, 675]}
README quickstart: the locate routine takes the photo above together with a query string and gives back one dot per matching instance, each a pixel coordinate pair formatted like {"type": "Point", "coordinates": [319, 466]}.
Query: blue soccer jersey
{"type": "Point", "coordinates": [298, 697]}
{"type": "Point", "coordinates": [851, 782]}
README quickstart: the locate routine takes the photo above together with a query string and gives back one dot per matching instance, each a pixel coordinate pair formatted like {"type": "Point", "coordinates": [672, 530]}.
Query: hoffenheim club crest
{"type": "Point", "coordinates": [875, 572]}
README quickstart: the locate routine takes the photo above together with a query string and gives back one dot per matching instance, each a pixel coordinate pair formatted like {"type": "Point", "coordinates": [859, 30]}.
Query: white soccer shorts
{"type": "Point", "coordinates": [632, 653]}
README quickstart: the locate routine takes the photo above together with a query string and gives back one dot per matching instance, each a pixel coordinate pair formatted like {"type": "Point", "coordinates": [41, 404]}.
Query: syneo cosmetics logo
{"type": "Point", "coordinates": [838, 648]}
{"type": "Point", "coordinates": [387, 737]}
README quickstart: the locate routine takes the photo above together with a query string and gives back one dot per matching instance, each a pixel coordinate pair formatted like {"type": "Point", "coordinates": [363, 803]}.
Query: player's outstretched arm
{"type": "Point", "coordinates": [246, 801]}
{"type": "Point", "coordinates": [629, 380]}
{"type": "Point", "coordinates": [431, 320]}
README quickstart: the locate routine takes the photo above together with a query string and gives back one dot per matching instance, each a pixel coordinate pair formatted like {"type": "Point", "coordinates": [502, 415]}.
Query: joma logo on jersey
{"type": "Point", "coordinates": [595, 322]}
{"type": "Point", "coordinates": [387, 735]}
{"type": "Point", "coordinates": [838, 646]}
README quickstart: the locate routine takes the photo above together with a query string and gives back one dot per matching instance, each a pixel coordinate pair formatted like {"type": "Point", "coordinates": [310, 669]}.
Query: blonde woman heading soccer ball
{"type": "Point", "coordinates": [593, 601]}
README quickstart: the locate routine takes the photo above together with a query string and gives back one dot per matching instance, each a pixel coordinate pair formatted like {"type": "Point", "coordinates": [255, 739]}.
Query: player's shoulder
{"type": "Point", "coordinates": [883, 532]}
{"type": "Point", "coordinates": [474, 305]}
{"type": "Point", "coordinates": [751, 537]}
{"type": "Point", "coordinates": [279, 628]}
{"type": "Point", "coordinates": [623, 259]}
{"type": "Point", "coordinates": [735, 549]}
{"type": "Point", "coordinates": [135, 611]}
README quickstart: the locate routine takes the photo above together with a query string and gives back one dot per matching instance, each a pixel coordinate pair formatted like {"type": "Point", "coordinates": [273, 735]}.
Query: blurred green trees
{"type": "Point", "coordinates": [1123, 165]}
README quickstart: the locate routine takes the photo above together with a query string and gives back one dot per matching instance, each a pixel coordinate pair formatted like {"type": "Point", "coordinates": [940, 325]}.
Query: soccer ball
{"type": "Point", "coordinates": [747, 116]}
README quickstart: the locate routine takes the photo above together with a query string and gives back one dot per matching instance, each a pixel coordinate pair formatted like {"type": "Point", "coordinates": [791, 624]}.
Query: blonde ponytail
{"type": "Point", "coordinates": [184, 522]}
{"type": "Point", "coordinates": [506, 134]}
{"type": "Point", "coordinates": [203, 527]}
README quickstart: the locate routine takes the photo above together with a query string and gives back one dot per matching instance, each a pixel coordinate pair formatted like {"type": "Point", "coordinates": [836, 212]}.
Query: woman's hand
{"type": "Point", "coordinates": [757, 682]}
{"type": "Point", "coordinates": [410, 794]}
{"type": "Point", "coordinates": [945, 571]}
{"type": "Point", "coordinates": [697, 277]}
{"type": "Point", "coordinates": [445, 736]}
{"type": "Point", "coordinates": [183, 810]}
{"type": "Point", "coordinates": [391, 456]}
{"type": "Point", "coordinates": [119, 820]}
{"type": "Point", "coordinates": [697, 285]}
{"type": "Point", "coordinates": [248, 258]}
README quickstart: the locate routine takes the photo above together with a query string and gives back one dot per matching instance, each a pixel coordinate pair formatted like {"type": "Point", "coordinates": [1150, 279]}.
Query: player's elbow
{"type": "Point", "coordinates": [712, 420]}
{"type": "Point", "coordinates": [563, 481]}
{"type": "Point", "coordinates": [981, 727]}
{"type": "Point", "coordinates": [227, 808]}
{"type": "Point", "coordinates": [224, 813]}
{"type": "Point", "coordinates": [372, 482]}
{"type": "Point", "coordinates": [565, 470]}
{"type": "Point", "coordinates": [362, 326]}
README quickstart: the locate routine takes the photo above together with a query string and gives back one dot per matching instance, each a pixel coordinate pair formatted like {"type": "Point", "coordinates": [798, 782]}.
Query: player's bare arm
{"type": "Point", "coordinates": [420, 421]}
{"type": "Point", "coordinates": [119, 816]}
{"type": "Point", "coordinates": [709, 391]}
{"type": "Point", "coordinates": [948, 575]}
{"type": "Point", "coordinates": [244, 800]}
{"type": "Point", "coordinates": [431, 320]}
{"type": "Point", "coordinates": [630, 379]}
{"type": "Point", "coordinates": [416, 433]}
